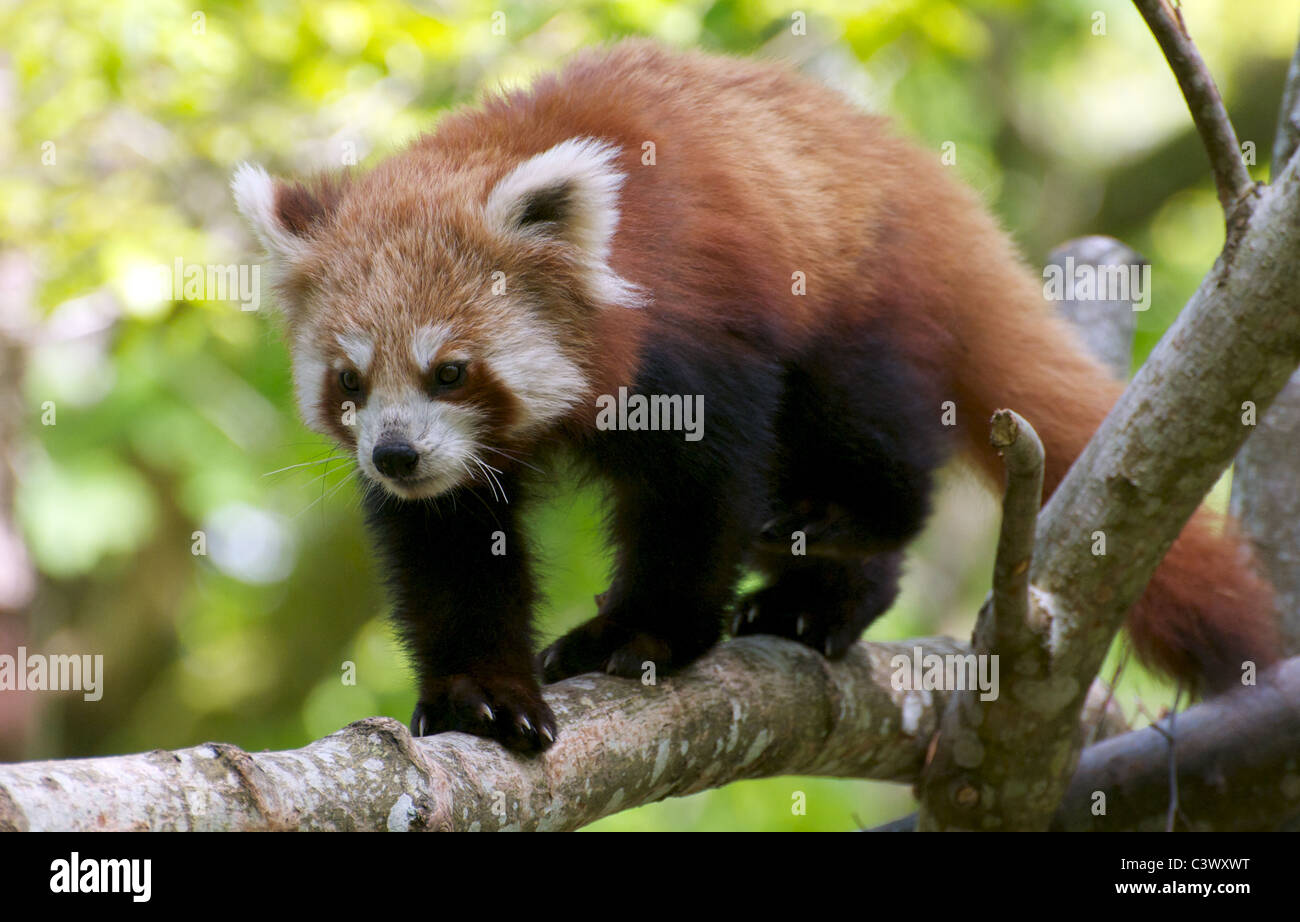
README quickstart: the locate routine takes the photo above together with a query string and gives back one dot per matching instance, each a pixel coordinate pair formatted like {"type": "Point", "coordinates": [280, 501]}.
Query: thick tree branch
{"type": "Point", "coordinates": [753, 708]}
{"type": "Point", "coordinates": [1231, 178]}
{"type": "Point", "coordinates": [1235, 759]}
{"type": "Point", "coordinates": [1159, 451]}
{"type": "Point", "coordinates": [1174, 430]}
{"type": "Point", "coordinates": [1266, 473]}
{"type": "Point", "coordinates": [1235, 762]}
{"type": "Point", "coordinates": [1153, 459]}
{"type": "Point", "coordinates": [756, 707]}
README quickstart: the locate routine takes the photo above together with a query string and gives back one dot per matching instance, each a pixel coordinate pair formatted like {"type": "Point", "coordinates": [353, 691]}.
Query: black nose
{"type": "Point", "coordinates": [395, 459]}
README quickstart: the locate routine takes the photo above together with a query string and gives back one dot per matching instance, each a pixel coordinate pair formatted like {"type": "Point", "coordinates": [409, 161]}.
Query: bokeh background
{"type": "Point", "coordinates": [129, 421]}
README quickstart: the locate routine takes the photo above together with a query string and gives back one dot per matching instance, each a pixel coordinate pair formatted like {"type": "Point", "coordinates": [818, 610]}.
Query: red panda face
{"type": "Point", "coordinates": [435, 329]}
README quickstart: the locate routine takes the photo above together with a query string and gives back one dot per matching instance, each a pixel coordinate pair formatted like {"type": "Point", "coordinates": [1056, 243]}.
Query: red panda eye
{"type": "Point", "coordinates": [450, 374]}
{"type": "Point", "coordinates": [350, 381]}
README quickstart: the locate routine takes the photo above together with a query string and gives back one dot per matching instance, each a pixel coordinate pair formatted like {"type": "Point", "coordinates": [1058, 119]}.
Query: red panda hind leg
{"type": "Point", "coordinates": [860, 437]}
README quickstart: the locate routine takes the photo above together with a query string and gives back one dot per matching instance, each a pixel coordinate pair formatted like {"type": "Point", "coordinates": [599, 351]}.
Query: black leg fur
{"type": "Point", "coordinates": [860, 439]}
{"type": "Point", "coordinates": [464, 613]}
{"type": "Point", "coordinates": [824, 604]}
{"type": "Point", "coordinates": [685, 515]}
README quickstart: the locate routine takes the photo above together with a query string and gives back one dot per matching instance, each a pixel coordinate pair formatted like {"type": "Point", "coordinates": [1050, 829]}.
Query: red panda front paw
{"type": "Point", "coordinates": [508, 709]}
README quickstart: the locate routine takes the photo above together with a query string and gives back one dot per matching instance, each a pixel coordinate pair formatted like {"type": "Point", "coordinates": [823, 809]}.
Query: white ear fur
{"type": "Point", "coordinates": [255, 198]}
{"type": "Point", "coordinates": [583, 170]}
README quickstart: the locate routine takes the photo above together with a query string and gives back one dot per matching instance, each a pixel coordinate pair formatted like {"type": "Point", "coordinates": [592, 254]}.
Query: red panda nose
{"type": "Point", "coordinates": [395, 459]}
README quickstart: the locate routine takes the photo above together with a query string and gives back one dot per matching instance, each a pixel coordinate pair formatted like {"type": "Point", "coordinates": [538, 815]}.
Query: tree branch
{"type": "Point", "coordinates": [992, 754]}
{"type": "Point", "coordinates": [753, 708]}
{"type": "Point", "coordinates": [1159, 451]}
{"type": "Point", "coordinates": [1288, 121]}
{"type": "Point", "coordinates": [1145, 471]}
{"type": "Point", "coordinates": [1266, 472]}
{"type": "Point", "coordinates": [1020, 447]}
{"type": "Point", "coordinates": [1235, 763]}
{"type": "Point", "coordinates": [1231, 178]}
{"type": "Point", "coordinates": [1174, 430]}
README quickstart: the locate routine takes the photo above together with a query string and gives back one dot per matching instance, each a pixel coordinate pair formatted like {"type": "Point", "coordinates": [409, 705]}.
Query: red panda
{"type": "Point", "coordinates": [679, 224]}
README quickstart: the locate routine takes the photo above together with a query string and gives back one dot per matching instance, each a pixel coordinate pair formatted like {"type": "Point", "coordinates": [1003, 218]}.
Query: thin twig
{"type": "Point", "coordinates": [1022, 454]}
{"type": "Point", "coordinates": [1231, 178]}
{"type": "Point", "coordinates": [1110, 696]}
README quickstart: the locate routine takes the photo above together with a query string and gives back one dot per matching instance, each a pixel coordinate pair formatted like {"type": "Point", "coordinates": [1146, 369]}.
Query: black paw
{"type": "Point", "coordinates": [508, 709]}
{"type": "Point", "coordinates": [828, 530]}
{"type": "Point", "coordinates": [828, 629]}
{"type": "Point", "coordinates": [600, 645]}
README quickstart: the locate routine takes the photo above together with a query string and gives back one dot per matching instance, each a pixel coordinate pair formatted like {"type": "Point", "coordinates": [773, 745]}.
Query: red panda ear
{"type": "Point", "coordinates": [568, 193]}
{"type": "Point", "coordinates": [285, 215]}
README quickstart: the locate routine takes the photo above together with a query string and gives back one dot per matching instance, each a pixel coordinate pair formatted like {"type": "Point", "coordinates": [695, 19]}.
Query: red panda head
{"type": "Point", "coordinates": [440, 314]}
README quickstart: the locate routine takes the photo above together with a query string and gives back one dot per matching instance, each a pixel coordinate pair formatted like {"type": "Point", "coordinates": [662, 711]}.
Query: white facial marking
{"type": "Point", "coordinates": [308, 373]}
{"type": "Point", "coordinates": [426, 342]}
{"type": "Point", "coordinates": [526, 355]}
{"type": "Point", "coordinates": [358, 347]}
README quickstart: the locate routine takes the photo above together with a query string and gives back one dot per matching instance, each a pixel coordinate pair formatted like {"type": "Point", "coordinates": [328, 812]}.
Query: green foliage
{"type": "Point", "coordinates": [175, 416]}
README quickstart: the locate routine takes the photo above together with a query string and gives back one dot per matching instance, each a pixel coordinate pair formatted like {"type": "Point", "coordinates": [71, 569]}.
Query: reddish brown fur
{"type": "Point", "coordinates": [761, 173]}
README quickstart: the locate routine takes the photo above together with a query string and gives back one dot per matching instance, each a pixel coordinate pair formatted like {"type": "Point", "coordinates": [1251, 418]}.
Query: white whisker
{"type": "Point", "coordinates": [306, 464]}
{"type": "Point", "coordinates": [324, 496]}
{"type": "Point", "coordinates": [486, 476]}
{"type": "Point", "coordinates": [516, 460]}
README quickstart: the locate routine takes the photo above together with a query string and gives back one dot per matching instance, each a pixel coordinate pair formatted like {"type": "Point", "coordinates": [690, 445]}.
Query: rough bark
{"type": "Point", "coordinates": [1236, 763]}
{"type": "Point", "coordinates": [993, 757]}
{"type": "Point", "coordinates": [755, 707]}
{"type": "Point", "coordinates": [1236, 768]}
{"type": "Point", "coordinates": [1266, 474]}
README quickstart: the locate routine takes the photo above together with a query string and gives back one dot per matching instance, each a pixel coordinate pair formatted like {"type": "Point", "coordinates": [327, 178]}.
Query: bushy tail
{"type": "Point", "coordinates": [1206, 610]}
